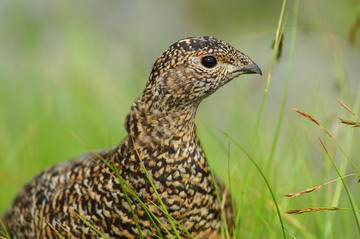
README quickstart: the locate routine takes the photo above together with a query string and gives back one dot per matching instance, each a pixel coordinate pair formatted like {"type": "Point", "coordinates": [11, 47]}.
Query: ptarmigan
{"type": "Point", "coordinates": [111, 192]}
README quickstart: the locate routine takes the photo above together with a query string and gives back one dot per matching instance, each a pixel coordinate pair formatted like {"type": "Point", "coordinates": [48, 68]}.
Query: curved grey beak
{"type": "Point", "coordinates": [250, 69]}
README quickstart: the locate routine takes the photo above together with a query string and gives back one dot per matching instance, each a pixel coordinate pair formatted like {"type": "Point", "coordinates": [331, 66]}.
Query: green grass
{"type": "Point", "coordinates": [76, 69]}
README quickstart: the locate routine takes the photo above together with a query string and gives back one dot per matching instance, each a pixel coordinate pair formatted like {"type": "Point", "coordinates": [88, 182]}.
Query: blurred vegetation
{"type": "Point", "coordinates": [73, 69]}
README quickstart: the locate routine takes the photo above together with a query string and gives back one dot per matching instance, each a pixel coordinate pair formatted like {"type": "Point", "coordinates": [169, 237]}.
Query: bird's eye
{"type": "Point", "coordinates": [208, 61]}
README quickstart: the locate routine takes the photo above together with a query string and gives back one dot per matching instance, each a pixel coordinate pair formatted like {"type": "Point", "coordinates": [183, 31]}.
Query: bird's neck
{"type": "Point", "coordinates": [150, 123]}
{"type": "Point", "coordinates": [165, 141]}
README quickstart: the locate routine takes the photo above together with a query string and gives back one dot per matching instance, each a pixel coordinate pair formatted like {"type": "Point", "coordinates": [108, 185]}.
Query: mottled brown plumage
{"type": "Point", "coordinates": [161, 134]}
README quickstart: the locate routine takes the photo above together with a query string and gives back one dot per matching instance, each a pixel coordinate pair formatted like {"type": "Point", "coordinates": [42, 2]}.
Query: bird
{"type": "Point", "coordinates": [157, 181]}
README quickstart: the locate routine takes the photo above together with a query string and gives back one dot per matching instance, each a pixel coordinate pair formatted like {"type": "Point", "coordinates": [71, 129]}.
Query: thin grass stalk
{"type": "Point", "coordinates": [159, 222]}
{"type": "Point", "coordinates": [312, 189]}
{"type": "Point", "coordinates": [285, 93]}
{"type": "Point", "coordinates": [120, 179]}
{"type": "Point", "coordinates": [342, 150]}
{"type": "Point", "coordinates": [350, 144]}
{"type": "Point", "coordinates": [260, 215]}
{"type": "Point", "coordinates": [344, 183]}
{"type": "Point", "coordinates": [124, 184]}
{"type": "Point", "coordinates": [156, 192]}
{"type": "Point", "coordinates": [347, 108]}
{"type": "Point", "coordinates": [351, 139]}
{"type": "Point", "coordinates": [123, 189]}
{"type": "Point", "coordinates": [218, 198]}
{"type": "Point", "coordinates": [150, 215]}
{"type": "Point", "coordinates": [91, 226]}
{"type": "Point", "coordinates": [66, 230]}
{"type": "Point", "coordinates": [266, 182]}
{"type": "Point", "coordinates": [229, 182]}
{"type": "Point", "coordinates": [128, 187]}
{"type": "Point", "coordinates": [278, 34]}
{"type": "Point", "coordinates": [277, 41]}
{"type": "Point", "coordinates": [334, 165]}
{"type": "Point", "coordinates": [54, 229]}
{"type": "Point", "coordinates": [330, 136]}
{"type": "Point", "coordinates": [237, 222]}
{"type": "Point", "coordinates": [3, 234]}
{"type": "Point", "coordinates": [288, 77]}
{"type": "Point", "coordinates": [121, 182]}
{"type": "Point", "coordinates": [176, 222]}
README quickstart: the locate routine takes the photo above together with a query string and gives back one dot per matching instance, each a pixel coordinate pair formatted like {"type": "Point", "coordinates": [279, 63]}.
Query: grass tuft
{"type": "Point", "coordinates": [3, 234]}
{"type": "Point", "coordinates": [266, 182]}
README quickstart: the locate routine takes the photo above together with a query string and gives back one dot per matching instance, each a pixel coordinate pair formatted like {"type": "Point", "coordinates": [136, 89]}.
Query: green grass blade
{"type": "Point", "coordinates": [120, 179]}
{"type": "Point", "coordinates": [156, 192]}
{"type": "Point", "coordinates": [123, 189]}
{"type": "Point", "coordinates": [229, 182]}
{"type": "Point", "coordinates": [176, 222]}
{"type": "Point", "coordinates": [278, 34]}
{"type": "Point", "coordinates": [3, 234]}
{"type": "Point", "coordinates": [218, 198]}
{"type": "Point", "coordinates": [91, 226]}
{"type": "Point", "coordinates": [150, 215]}
{"type": "Point", "coordinates": [266, 182]}
{"type": "Point", "coordinates": [288, 77]}
{"type": "Point", "coordinates": [353, 206]}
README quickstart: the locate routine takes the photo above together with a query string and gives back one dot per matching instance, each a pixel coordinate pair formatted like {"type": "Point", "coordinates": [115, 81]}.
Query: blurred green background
{"type": "Point", "coordinates": [71, 69]}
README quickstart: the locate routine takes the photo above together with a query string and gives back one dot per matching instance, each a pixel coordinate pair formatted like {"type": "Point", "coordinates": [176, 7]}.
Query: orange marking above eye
{"type": "Point", "coordinates": [200, 55]}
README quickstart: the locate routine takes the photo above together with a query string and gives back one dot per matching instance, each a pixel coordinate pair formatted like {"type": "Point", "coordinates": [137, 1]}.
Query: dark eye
{"type": "Point", "coordinates": [208, 61]}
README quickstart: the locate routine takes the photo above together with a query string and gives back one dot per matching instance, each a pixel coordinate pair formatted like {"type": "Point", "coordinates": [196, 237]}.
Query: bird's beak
{"type": "Point", "coordinates": [250, 69]}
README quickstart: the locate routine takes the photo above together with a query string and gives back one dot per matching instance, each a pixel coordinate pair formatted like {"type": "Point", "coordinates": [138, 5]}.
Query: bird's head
{"type": "Point", "coordinates": [193, 68]}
